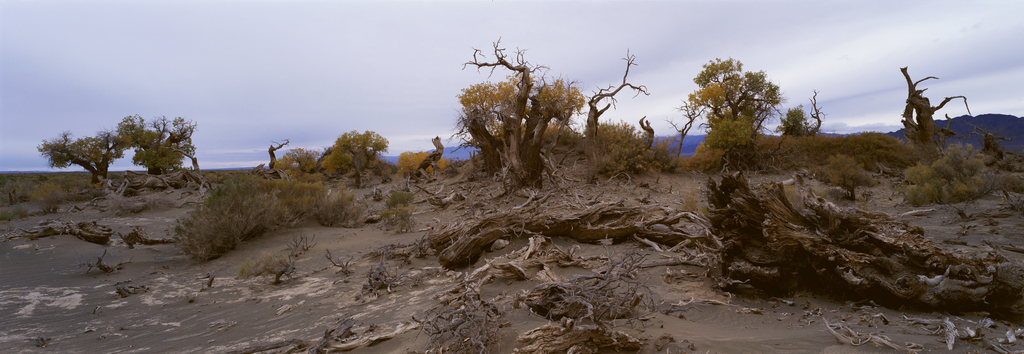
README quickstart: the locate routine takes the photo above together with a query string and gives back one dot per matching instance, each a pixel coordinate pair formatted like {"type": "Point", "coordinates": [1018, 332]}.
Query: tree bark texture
{"type": "Point", "coordinates": [779, 247]}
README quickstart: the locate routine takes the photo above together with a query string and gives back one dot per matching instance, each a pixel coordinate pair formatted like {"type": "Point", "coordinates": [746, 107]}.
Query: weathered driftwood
{"type": "Point", "coordinates": [139, 236]}
{"type": "Point", "coordinates": [430, 161]}
{"type": "Point", "coordinates": [778, 246]}
{"type": "Point", "coordinates": [461, 244]}
{"type": "Point", "coordinates": [571, 337]}
{"type": "Point", "coordinates": [86, 231]}
{"type": "Point", "coordinates": [135, 181]}
{"type": "Point", "coordinates": [273, 173]}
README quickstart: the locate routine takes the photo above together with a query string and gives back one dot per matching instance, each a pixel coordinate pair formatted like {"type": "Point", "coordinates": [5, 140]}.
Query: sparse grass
{"type": "Point", "coordinates": [50, 196]}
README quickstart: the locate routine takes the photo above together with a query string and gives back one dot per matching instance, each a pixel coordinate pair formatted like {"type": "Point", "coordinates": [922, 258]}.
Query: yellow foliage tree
{"type": "Point", "coordinates": [409, 160]}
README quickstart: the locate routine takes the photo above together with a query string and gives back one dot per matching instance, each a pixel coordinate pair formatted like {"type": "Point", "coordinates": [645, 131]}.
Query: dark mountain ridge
{"type": "Point", "coordinates": [1004, 125]}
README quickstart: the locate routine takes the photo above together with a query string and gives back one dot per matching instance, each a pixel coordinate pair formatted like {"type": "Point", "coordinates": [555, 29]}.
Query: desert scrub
{"type": "Point", "coordinates": [622, 148]}
{"type": "Point", "coordinates": [398, 214]}
{"type": "Point", "coordinates": [267, 265]}
{"type": "Point", "coordinates": [50, 196]}
{"type": "Point", "coordinates": [338, 209]}
{"type": "Point", "coordinates": [844, 172]}
{"type": "Point", "coordinates": [954, 178]}
{"type": "Point", "coordinates": [295, 199]}
{"type": "Point", "coordinates": [235, 211]}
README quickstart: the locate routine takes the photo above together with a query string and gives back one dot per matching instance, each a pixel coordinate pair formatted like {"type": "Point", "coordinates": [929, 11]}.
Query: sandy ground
{"type": "Point", "coordinates": [45, 294]}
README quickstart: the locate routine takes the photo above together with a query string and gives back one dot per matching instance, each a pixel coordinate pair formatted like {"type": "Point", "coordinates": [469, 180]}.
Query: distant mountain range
{"type": "Point", "coordinates": [999, 124]}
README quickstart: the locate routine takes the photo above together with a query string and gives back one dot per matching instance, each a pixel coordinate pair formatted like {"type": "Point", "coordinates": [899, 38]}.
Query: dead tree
{"type": "Point", "coordinates": [648, 133]}
{"type": "Point", "coordinates": [595, 113]}
{"type": "Point", "coordinates": [918, 121]}
{"type": "Point", "coordinates": [195, 162]}
{"type": "Point", "coordinates": [781, 246]}
{"type": "Point", "coordinates": [517, 152]}
{"type": "Point", "coordinates": [816, 115]}
{"type": "Point", "coordinates": [692, 113]}
{"type": "Point", "coordinates": [273, 158]}
{"type": "Point", "coordinates": [431, 160]}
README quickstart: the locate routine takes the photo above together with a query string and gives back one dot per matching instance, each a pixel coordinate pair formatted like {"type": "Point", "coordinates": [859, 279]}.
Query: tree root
{"type": "Point", "coordinates": [461, 244]}
{"type": "Point", "coordinates": [780, 248]}
{"type": "Point", "coordinates": [570, 337]}
{"type": "Point", "coordinates": [86, 231]}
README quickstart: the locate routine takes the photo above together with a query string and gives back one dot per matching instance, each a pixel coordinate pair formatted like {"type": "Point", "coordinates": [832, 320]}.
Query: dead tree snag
{"type": "Point", "coordinates": [692, 113]}
{"type": "Point", "coordinates": [431, 160]}
{"type": "Point", "coordinates": [918, 121]}
{"type": "Point", "coordinates": [648, 133]}
{"type": "Point", "coordinates": [273, 158]}
{"type": "Point", "coordinates": [595, 113]}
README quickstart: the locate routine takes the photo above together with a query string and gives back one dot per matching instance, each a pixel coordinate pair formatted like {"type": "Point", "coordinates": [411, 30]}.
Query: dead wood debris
{"type": "Point", "coordinates": [98, 264]}
{"type": "Point", "coordinates": [270, 173]}
{"type": "Point", "coordinates": [461, 244]}
{"type": "Point", "coordinates": [779, 248]}
{"type": "Point", "coordinates": [139, 236]}
{"type": "Point", "coordinates": [846, 335]}
{"type": "Point", "coordinates": [609, 294]}
{"type": "Point", "coordinates": [86, 231]}
{"type": "Point", "coordinates": [135, 182]}
{"type": "Point", "coordinates": [465, 324]}
{"type": "Point", "coordinates": [570, 337]}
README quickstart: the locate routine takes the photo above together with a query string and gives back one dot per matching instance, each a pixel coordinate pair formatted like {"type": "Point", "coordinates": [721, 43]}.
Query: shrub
{"type": "Point", "coordinates": [399, 198]}
{"type": "Point", "coordinates": [50, 196]}
{"type": "Point", "coordinates": [399, 218]}
{"type": "Point", "coordinates": [704, 160]}
{"type": "Point", "coordinates": [843, 171]}
{"type": "Point", "coordinates": [295, 199]}
{"type": "Point", "coordinates": [954, 178]}
{"type": "Point", "coordinates": [398, 214]}
{"type": "Point", "coordinates": [338, 209]}
{"type": "Point", "coordinates": [408, 161]}
{"type": "Point", "coordinates": [621, 148]}
{"type": "Point", "coordinates": [14, 212]}
{"type": "Point", "coordinates": [266, 265]}
{"type": "Point", "coordinates": [235, 211]}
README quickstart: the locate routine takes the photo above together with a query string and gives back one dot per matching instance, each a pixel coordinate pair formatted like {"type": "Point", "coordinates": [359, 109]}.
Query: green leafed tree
{"type": "Point", "coordinates": [356, 152]}
{"type": "Point", "coordinates": [160, 144]}
{"type": "Point", "coordinates": [93, 153]}
{"type": "Point", "coordinates": [797, 122]}
{"type": "Point", "coordinates": [738, 104]}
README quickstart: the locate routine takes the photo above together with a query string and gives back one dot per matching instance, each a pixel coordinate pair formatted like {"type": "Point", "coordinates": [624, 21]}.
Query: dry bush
{"type": "Point", "coordinates": [704, 160]}
{"type": "Point", "coordinates": [338, 209]}
{"type": "Point", "coordinates": [235, 211]}
{"type": "Point", "coordinates": [267, 265]}
{"type": "Point", "coordinates": [295, 199]}
{"type": "Point", "coordinates": [866, 148]}
{"type": "Point", "coordinates": [468, 324]}
{"type": "Point", "coordinates": [50, 196]}
{"type": "Point", "coordinates": [14, 212]}
{"type": "Point", "coordinates": [624, 149]}
{"type": "Point", "coordinates": [399, 218]}
{"type": "Point", "coordinates": [843, 171]}
{"type": "Point", "coordinates": [954, 178]}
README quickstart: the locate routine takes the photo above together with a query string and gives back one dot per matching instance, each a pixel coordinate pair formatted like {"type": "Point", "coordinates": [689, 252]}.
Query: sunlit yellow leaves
{"type": "Point", "coordinates": [409, 160]}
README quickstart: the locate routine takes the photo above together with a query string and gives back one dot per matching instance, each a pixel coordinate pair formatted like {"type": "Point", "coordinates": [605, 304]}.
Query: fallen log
{"type": "Point", "coordinates": [781, 246]}
{"type": "Point", "coordinates": [461, 244]}
{"type": "Point", "coordinates": [139, 236]}
{"type": "Point", "coordinates": [86, 231]}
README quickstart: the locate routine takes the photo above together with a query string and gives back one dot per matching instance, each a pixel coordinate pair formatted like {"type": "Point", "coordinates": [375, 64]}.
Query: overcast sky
{"type": "Point", "coordinates": [252, 72]}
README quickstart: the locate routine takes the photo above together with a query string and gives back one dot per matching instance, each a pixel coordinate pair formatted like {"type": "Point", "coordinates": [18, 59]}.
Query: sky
{"type": "Point", "coordinates": [252, 72]}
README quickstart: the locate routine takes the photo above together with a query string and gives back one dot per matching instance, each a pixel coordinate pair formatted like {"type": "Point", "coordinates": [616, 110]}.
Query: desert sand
{"type": "Point", "coordinates": [48, 303]}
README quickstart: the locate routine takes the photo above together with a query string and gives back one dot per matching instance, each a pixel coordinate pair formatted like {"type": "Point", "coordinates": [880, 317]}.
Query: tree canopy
{"type": "Point", "coordinates": [157, 143]}
{"type": "Point", "coordinates": [93, 153]}
{"type": "Point", "coordinates": [355, 151]}
{"type": "Point", "coordinates": [507, 121]}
